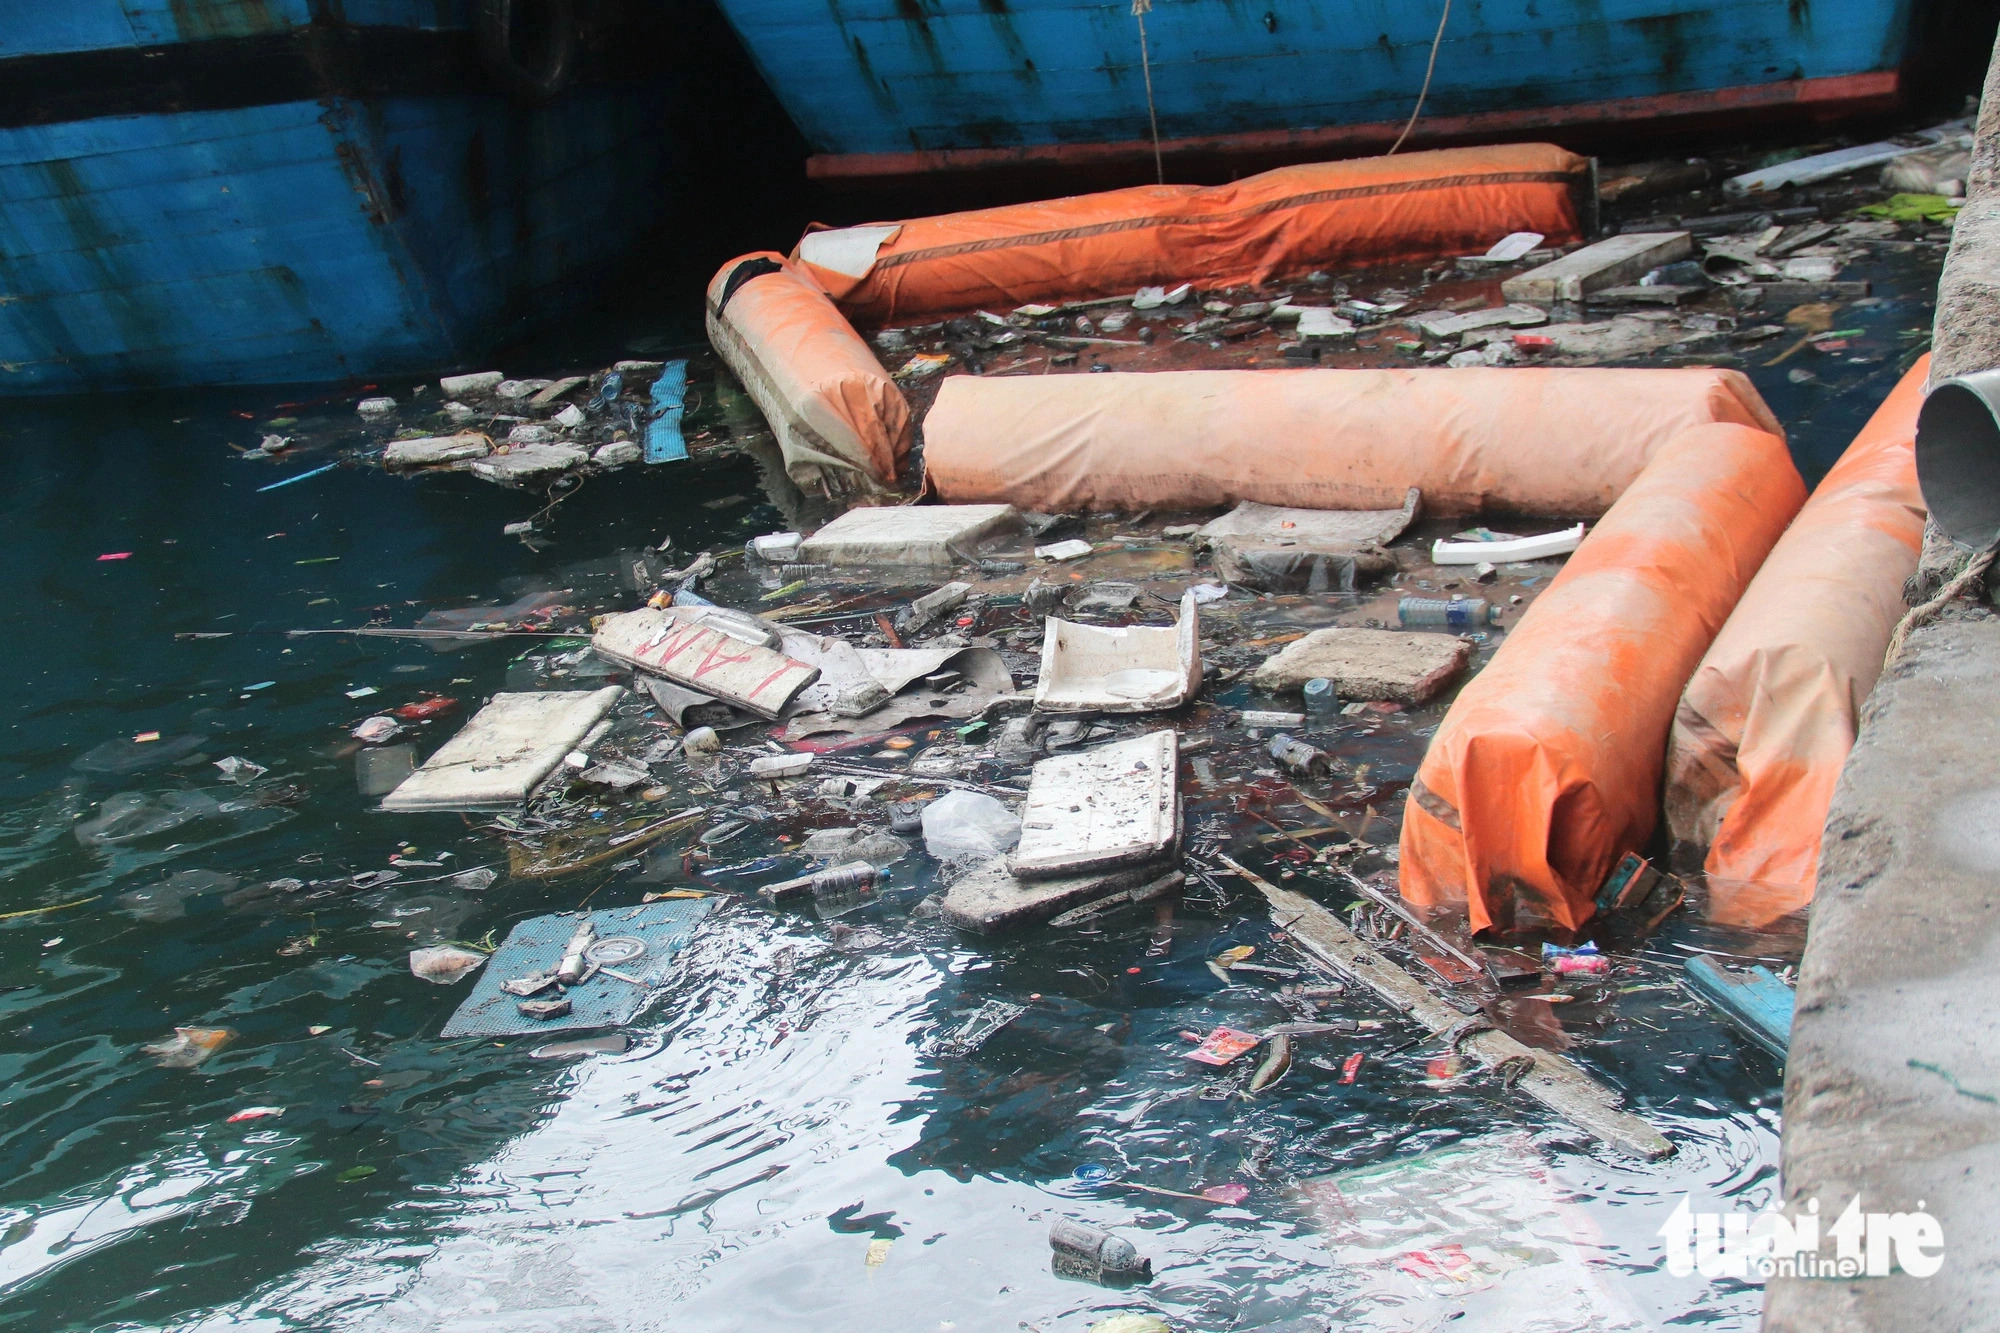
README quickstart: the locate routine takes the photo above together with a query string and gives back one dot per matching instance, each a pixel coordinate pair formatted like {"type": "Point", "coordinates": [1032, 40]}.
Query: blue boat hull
{"type": "Point", "coordinates": [301, 240]}
{"type": "Point", "coordinates": [895, 87]}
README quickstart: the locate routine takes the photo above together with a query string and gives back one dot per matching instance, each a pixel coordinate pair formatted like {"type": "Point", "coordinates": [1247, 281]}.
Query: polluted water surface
{"type": "Point", "coordinates": [834, 1106]}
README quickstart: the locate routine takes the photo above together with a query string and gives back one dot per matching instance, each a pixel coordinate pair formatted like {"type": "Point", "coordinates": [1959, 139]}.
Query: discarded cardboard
{"type": "Point", "coordinates": [1120, 669]}
{"type": "Point", "coordinates": [906, 534]}
{"type": "Point", "coordinates": [1275, 549]}
{"type": "Point", "coordinates": [504, 752]}
{"type": "Point", "coordinates": [992, 899]}
{"type": "Point", "coordinates": [907, 674]}
{"type": "Point", "coordinates": [1368, 664]}
{"type": "Point", "coordinates": [629, 958]}
{"type": "Point", "coordinates": [1609, 263]}
{"type": "Point", "coordinates": [1116, 805]}
{"type": "Point", "coordinates": [699, 657]}
{"type": "Point", "coordinates": [437, 449]}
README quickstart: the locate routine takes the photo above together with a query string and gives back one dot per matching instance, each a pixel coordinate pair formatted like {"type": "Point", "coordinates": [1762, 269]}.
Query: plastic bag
{"type": "Point", "coordinates": [966, 826]}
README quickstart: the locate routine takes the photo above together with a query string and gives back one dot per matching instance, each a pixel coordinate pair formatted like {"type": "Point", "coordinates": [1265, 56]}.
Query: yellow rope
{"type": "Point", "coordinates": [1425, 92]}
{"type": "Point", "coordinates": [53, 907]}
{"type": "Point", "coordinates": [1139, 10]}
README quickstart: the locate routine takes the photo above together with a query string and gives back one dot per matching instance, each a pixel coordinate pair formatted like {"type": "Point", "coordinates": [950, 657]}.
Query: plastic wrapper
{"type": "Point", "coordinates": [966, 826]}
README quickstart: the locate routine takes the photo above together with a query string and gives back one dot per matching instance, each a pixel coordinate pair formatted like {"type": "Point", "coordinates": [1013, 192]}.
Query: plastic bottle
{"type": "Point", "coordinates": [1460, 612]}
{"type": "Point", "coordinates": [1321, 697]}
{"type": "Point", "coordinates": [1109, 1254]}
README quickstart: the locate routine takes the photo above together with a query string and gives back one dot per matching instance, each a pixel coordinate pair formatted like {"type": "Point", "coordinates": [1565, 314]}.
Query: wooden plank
{"type": "Point", "coordinates": [1548, 1078]}
{"type": "Point", "coordinates": [1753, 999]}
{"type": "Point", "coordinates": [703, 659]}
{"type": "Point", "coordinates": [1608, 263]}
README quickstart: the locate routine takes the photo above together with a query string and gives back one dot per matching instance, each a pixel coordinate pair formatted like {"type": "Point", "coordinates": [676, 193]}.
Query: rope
{"type": "Point", "coordinates": [1919, 616]}
{"type": "Point", "coordinates": [1139, 10]}
{"type": "Point", "coordinates": [1426, 90]}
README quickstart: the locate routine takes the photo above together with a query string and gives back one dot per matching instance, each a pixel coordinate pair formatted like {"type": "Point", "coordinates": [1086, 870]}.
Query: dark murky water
{"type": "Point", "coordinates": [775, 1149]}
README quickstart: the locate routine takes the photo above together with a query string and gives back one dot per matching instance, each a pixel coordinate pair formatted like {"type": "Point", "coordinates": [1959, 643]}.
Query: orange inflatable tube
{"type": "Point", "coordinates": [1370, 210]}
{"type": "Point", "coordinates": [1538, 440]}
{"type": "Point", "coordinates": [1766, 723]}
{"type": "Point", "coordinates": [842, 424]}
{"type": "Point", "coordinates": [1547, 768]}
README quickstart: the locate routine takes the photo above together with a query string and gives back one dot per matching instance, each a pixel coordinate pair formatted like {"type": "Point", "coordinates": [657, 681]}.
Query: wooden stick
{"type": "Point", "coordinates": [1550, 1079]}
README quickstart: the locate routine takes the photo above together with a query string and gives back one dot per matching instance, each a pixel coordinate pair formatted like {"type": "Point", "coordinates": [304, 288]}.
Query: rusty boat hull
{"type": "Point", "coordinates": [908, 89]}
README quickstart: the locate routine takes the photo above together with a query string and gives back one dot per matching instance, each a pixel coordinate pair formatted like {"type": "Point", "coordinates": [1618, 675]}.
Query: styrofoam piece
{"type": "Point", "coordinates": [1074, 549]}
{"type": "Point", "coordinates": [990, 898]}
{"type": "Point", "coordinates": [1319, 322]}
{"type": "Point", "coordinates": [1825, 166]}
{"type": "Point", "coordinates": [1451, 326]}
{"type": "Point", "coordinates": [1116, 805]}
{"type": "Point", "coordinates": [465, 386]}
{"type": "Point", "coordinates": [437, 449]}
{"type": "Point", "coordinates": [667, 643]}
{"type": "Point", "coordinates": [848, 251]}
{"type": "Point", "coordinates": [904, 534]}
{"type": "Point", "coordinates": [1512, 246]}
{"type": "Point", "coordinates": [537, 945]}
{"type": "Point", "coordinates": [1500, 553]}
{"type": "Point", "coordinates": [507, 748]}
{"type": "Point", "coordinates": [984, 672]}
{"type": "Point", "coordinates": [1341, 528]}
{"type": "Point", "coordinates": [780, 765]}
{"type": "Point", "coordinates": [1613, 262]}
{"type": "Point", "coordinates": [1121, 668]}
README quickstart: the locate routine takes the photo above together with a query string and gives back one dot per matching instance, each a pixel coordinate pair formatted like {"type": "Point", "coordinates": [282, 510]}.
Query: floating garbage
{"type": "Point", "coordinates": [444, 964]}
{"type": "Point", "coordinates": [975, 1031]}
{"type": "Point", "coordinates": [1752, 998]}
{"type": "Point", "coordinates": [1121, 669]}
{"type": "Point", "coordinates": [189, 1047]}
{"type": "Point", "coordinates": [930, 535]}
{"type": "Point", "coordinates": [1086, 1251]}
{"type": "Point", "coordinates": [969, 826]}
{"type": "Point", "coordinates": [504, 752]}
{"type": "Point", "coordinates": [1364, 664]}
{"type": "Point", "coordinates": [1116, 805]}
{"type": "Point", "coordinates": [686, 646]}
{"type": "Point", "coordinates": [1276, 549]}
{"type": "Point", "coordinates": [1506, 551]}
{"type": "Point", "coordinates": [594, 970]}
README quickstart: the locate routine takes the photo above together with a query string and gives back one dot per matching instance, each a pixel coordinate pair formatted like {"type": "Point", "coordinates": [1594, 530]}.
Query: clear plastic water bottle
{"type": "Point", "coordinates": [1459, 612]}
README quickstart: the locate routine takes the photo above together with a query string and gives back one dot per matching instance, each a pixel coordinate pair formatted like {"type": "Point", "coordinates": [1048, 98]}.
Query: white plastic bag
{"type": "Point", "coordinates": [966, 826]}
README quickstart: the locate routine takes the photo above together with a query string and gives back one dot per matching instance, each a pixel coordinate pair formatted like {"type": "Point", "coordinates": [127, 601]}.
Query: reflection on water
{"type": "Point", "coordinates": [774, 1148]}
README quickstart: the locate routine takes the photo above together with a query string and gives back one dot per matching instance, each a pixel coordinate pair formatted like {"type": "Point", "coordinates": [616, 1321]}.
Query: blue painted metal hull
{"type": "Point", "coordinates": [889, 77]}
{"type": "Point", "coordinates": [299, 241]}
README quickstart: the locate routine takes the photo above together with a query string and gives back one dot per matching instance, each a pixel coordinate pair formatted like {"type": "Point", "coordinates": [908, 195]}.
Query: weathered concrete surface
{"type": "Point", "coordinates": [1892, 1089]}
{"type": "Point", "coordinates": [1368, 664]}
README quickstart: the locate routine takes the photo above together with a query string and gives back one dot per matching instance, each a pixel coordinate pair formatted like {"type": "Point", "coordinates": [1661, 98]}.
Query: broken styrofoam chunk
{"type": "Point", "coordinates": [504, 751]}
{"type": "Point", "coordinates": [467, 386]}
{"type": "Point", "coordinates": [905, 534]}
{"type": "Point", "coordinates": [845, 687]}
{"type": "Point", "coordinates": [939, 602]}
{"type": "Point", "coordinates": [1512, 247]}
{"type": "Point", "coordinates": [618, 453]}
{"type": "Point", "coordinates": [1116, 805]}
{"type": "Point", "coordinates": [570, 417]}
{"type": "Point", "coordinates": [780, 766]}
{"type": "Point", "coordinates": [1451, 326]}
{"type": "Point", "coordinates": [1811, 268]}
{"type": "Point", "coordinates": [1366, 664]}
{"type": "Point", "coordinates": [437, 449]}
{"type": "Point", "coordinates": [520, 388]}
{"type": "Point", "coordinates": [677, 643]}
{"type": "Point", "coordinates": [375, 407]}
{"type": "Point", "coordinates": [777, 548]}
{"type": "Point", "coordinates": [1318, 322]}
{"type": "Point", "coordinates": [444, 964]}
{"type": "Point", "coordinates": [532, 432]}
{"type": "Point", "coordinates": [457, 413]}
{"type": "Point", "coordinates": [1120, 669]}
{"type": "Point", "coordinates": [1152, 298]}
{"type": "Point", "coordinates": [1260, 717]}
{"type": "Point", "coordinates": [983, 681]}
{"type": "Point", "coordinates": [1073, 549]}
{"type": "Point", "coordinates": [1539, 547]}
{"type": "Point", "coordinates": [528, 462]}
{"type": "Point", "coordinates": [1613, 262]}
{"type": "Point", "coordinates": [990, 898]}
